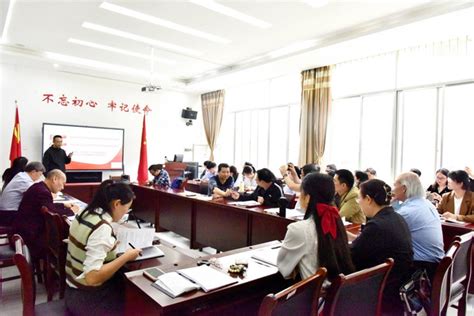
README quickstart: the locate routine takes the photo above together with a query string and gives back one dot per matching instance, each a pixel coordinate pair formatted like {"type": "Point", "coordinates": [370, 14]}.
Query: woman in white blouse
{"type": "Point", "coordinates": [320, 240]}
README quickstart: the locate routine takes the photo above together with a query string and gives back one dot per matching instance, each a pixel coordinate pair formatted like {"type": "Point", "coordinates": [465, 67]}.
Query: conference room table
{"type": "Point", "coordinates": [241, 298]}
{"type": "Point", "coordinates": [205, 222]}
{"type": "Point", "coordinates": [218, 224]}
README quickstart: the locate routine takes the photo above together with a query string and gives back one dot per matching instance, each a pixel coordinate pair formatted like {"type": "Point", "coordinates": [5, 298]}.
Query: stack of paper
{"type": "Point", "coordinates": [267, 255]}
{"type": "Point", "coordinates": [127, 233]}
{"type": "Point", "coordinates": [245, 203]}
{"type": "Point", "coordinates": [185, 280]}
{"type": "Point", "coordinates": [290, 212]}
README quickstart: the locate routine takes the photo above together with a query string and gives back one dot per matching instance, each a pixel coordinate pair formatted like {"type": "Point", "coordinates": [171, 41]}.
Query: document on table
{"type": "Point", "coordinates": [185, 280]}
{"type": "Point", "coordinates": [138, 237]}
{"type": "Point", "coordinates": [267, 255]}
{"type": "Point", "coordinates": [245, 203]}
{"type": "Point", "coordinates": [290, 213]}
{"type": "Point", "coordinates": [150, 253]}
{"type": "Point", "coordinates": [173, 284]}
{"type": "Point", "coordinates": [207, 278]}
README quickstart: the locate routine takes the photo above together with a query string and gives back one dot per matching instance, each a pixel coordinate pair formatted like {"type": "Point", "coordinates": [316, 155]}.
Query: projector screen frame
{"type": "Point", "coordinates": [86, 126]}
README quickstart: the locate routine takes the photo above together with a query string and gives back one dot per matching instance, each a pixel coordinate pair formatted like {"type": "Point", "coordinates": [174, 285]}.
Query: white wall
{"type": "Point", "coordinates": [167, 133]}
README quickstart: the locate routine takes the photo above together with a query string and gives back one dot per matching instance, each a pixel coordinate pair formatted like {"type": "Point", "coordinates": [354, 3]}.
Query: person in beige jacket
{"type": "Point", "coordinates": [348, 193]}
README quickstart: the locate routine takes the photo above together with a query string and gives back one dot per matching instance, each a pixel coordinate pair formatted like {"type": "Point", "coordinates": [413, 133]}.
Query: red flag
{"type": "Point", "coordinates": [15, 149]}
{"type": "Point", "coordinates": [143, 164]}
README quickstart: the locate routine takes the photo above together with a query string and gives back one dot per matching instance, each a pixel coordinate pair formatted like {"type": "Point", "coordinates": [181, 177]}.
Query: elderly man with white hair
{"type": "Point", "coordinates": [422, 219]}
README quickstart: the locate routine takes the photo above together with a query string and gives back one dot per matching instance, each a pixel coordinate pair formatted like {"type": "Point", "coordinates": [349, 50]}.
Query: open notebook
{"type": "Point", "coordinates": [267, 255]}
{"type": "Point", "coordinates": [186, 280]}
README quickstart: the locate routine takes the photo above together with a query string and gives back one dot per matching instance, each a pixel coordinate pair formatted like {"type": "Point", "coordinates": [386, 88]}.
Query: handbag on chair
{"type": "Point", "coordinates": [415, 293]}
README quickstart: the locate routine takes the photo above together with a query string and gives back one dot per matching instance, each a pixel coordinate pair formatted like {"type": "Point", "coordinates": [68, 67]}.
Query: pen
{"type": "Point", "coordinates": [130, 244]}
{"type": "Point", "coordinates": [261, 263]}
{"type": "Point", "coordinates": [276, 247]}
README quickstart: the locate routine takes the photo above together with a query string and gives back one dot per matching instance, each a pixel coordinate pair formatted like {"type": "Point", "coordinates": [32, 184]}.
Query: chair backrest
{"type": "Point", "coordinates": [291, 200]}
{"type": "Point", "coordinates": [462, 260]}
{"type": "Point", "coordinates": [56, 232]}
{"type": "Point", "coordinates": [441, 286]}
{"type": "Point", "coordinates": [28, 286]}
{"type": "Point", "coordinates": [115, 178]}
{"type": "Point", "coordinates": [359, 293]}
{"type": "Point", "coordinates": [300, 299]}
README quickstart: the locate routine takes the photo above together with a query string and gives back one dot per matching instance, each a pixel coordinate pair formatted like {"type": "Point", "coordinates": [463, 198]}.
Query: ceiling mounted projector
{"type": "Point", "coordinates": [151, 88]}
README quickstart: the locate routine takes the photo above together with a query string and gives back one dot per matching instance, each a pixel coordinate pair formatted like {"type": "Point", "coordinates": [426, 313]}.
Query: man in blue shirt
{"type": "Point", "coordinates": [161, 177]}
{"type": "Point", "coordinates": [422, 219]}
{"type": "Point", "coordinates": [221, 185]}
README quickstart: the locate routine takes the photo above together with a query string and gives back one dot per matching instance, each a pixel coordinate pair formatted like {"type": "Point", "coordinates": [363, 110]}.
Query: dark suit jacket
{"type": "Point", "coordinates": [29, 221]}
{"type": "Point", "coordinates": [466, 213]}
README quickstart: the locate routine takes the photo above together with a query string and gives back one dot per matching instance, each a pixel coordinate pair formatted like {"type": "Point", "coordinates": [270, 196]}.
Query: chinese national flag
{"type": "Point", "coordinates": [143, 164]}
{"type": "Point", "coordinates": [15, 149]}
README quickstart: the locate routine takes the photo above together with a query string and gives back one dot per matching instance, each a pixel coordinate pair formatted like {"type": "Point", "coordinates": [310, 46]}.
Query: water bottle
{"type": "Point", "coordinates": [282, 203]}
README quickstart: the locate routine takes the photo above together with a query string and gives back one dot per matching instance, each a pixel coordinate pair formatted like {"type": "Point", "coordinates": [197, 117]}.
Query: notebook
{"type": "Point", "coordinates": [174, 284]}
{"type": "Point", "coordinates": [201, 277]}
{"type": "Point", "coordinates": [267, 255]}
{"type": "Point", "coordinates": [148, 253]}
{"type": "Point", "coordinates": [207, 278]}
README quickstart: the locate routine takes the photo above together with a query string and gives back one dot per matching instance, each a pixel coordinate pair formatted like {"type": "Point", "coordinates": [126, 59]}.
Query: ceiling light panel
{"type": "Point", "coordinates": [142, 39]}
{"type": "Point", "coordinates": [164, 23]}
{"type": "Point", "coordinates": [94, 64]}
{"type": "Point", "coordinates": [8, 17]}
{"type": "Point", "coordinates": [120, 51]}
{"type": "Point", "coordinates": [219, 8]}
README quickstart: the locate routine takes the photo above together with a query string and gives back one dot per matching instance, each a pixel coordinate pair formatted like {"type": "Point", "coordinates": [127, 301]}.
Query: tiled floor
{"type": "Point", "coordinates": [10, 298]}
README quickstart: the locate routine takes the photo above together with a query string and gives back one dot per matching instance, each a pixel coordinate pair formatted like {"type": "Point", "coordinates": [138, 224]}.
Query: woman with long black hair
{"type": "Point", "coordinates": [320, 240]}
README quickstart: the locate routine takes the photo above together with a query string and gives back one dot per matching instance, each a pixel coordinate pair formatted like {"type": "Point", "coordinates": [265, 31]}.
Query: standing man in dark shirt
{"type": "Point", "coordinates": [55, 157]}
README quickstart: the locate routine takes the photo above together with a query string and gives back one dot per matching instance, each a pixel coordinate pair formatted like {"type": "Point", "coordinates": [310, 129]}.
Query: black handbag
{"type": "Point", "coordinates": [416, 293]}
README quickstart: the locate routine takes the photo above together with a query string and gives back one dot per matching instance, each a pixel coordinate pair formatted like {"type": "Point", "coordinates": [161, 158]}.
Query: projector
{"type": "Point", "coordinates": [151, 88]}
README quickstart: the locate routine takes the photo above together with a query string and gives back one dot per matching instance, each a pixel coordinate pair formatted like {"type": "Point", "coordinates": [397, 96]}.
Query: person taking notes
{"type": "Point", "coordinates": [93, 285]}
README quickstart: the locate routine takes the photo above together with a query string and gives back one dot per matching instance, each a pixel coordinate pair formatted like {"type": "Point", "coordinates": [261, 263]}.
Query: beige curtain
{"type": "Point", "coordinates": [315, 108]}
{"type": "Point", "coordinates": [212, 111]}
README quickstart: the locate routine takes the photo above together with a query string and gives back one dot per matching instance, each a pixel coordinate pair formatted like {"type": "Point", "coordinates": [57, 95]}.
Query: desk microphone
{"type": "Point", "coordinates": [282, 203]}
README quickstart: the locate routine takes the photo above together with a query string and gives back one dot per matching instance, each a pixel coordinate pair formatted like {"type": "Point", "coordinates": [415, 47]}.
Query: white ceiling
{"type": "Point", "coordinates": [37, 27]}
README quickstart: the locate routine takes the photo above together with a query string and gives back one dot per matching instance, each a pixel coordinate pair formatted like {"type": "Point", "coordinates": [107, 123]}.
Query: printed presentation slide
{"type": "Point", "coordinates": [94, 148]}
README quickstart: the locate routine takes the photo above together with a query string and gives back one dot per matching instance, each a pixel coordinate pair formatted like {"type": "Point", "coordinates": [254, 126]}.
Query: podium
{"type": "Point", "coordinates": [175, 169]}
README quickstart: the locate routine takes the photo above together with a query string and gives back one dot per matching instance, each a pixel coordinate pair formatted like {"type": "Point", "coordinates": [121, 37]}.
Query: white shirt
{"type": "Point", "coordinates": [13, 193]}
{"type": "Point", "coordinates": [457, 205]}
{"type": "Point", "coordinates": [248, 183]}
{"type": "Point", "coordinates": [100, 242]}
{"type": "Point", "coordinates": [300, 248]}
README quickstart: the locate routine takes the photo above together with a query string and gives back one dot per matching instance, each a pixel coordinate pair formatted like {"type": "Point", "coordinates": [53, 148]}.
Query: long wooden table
{"type": "Point", "coordinates": [212, 223]}
{"type": "Point", "coordinates": [219, 225]}
{"type": "Point", "coordinates": [242, 298]}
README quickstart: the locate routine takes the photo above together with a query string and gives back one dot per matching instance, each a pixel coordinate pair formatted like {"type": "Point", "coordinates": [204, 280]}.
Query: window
{"type": "Point", "coordinates": [434, 112]}
{"type": "Point", "coordinates": [458, 151]}
{"type": "Point", "coordinates": [376, 134]}
{"type": "Point", "coordinates": [418, 126]}
{"type": "Point", "coordinates": [343, 136]}
{"type": "Point", "coordinates": [266, 118]}
{"type": "Point", "coordinates": [278, 151]}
